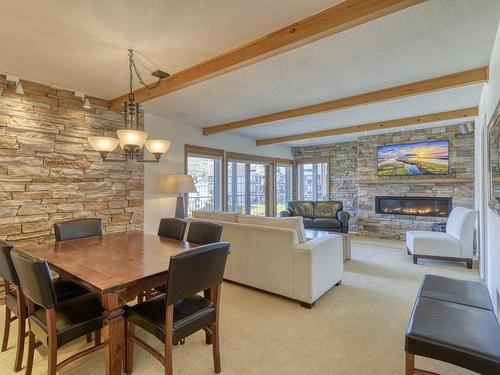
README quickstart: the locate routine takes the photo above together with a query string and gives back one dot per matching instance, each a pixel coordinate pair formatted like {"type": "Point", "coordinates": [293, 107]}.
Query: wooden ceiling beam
{"type": "Point", "coordinates": [423, 119]}
{"type": "Point", "coordinates": [343, 16]}
{"type": "Point", "coordinates": [448, 81]}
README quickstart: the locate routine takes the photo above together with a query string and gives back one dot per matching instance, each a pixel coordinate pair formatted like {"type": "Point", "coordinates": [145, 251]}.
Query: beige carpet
{"type": "Point", "coordinates": [357, 328]}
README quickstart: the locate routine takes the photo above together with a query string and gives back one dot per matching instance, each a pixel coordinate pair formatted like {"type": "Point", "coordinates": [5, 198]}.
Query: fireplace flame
{"type": "Point", "coordinates": [410, 211]}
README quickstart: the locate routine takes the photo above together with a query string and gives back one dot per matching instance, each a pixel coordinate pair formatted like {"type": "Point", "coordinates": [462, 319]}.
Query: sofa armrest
{"type": "Point", "coordinates": [318, 266]}
{"type": "Point", "coordinates": [286, 213]}
{"type": "Point", "coordinates": [343, 217]}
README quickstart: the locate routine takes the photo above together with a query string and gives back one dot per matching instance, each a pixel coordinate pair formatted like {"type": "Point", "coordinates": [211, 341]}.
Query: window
{"type": "Point", "coordinates": [283, 187]}
{"type": "Point", "coordinates": [207, 177]}
{"type": "Point", "coordinates": [313, 181]}
{"type": "Point", "coordinates": [247, 187]}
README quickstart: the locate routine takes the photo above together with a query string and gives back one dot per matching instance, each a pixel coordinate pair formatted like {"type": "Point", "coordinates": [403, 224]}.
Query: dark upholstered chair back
{"type": "Point", "coordinates": [302, 208]}
{"type": "Point", "coordinates": [7, 269]}
{"type": "Point", "coordinates": [172, 228]}
{"type": "Point", "coordinates": [35, 279]}
{"type": "Point", "coordinates": [204, 232]}
{"type": "Point", "coordinates": [78, 228]}
{"type": "Point", "coordinates": [196, 270]}
{"type": "Point", "coordinates": [327, 208]}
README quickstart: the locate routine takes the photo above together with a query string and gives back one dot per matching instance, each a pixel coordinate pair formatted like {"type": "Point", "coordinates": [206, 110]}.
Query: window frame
{"type": "Point", "coordinates": [289, 195]}
{"type": "Point", "coordinates": [208, 153]}
{"type": "Point", "coordinates": [233, 157]}
{"type": "Point", "coordinates": [314, 162]}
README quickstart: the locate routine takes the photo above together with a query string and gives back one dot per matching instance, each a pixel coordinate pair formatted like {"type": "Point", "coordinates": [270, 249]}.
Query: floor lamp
{"type": "Point", "coordinates": [179, 184]}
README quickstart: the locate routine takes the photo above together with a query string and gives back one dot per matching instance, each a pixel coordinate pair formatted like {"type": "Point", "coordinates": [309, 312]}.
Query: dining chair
{"type": "Point", "coordinates": [172, 227]}
{"type": "Point", "coordinates": [78, 228]}
{"type": "Point", "coordinates": [15, 303]}
{"type": "Point", "coordinates": [204, 232]}
{"type": "Point", "coordinates": [54, 322]}
{"type": "Point", "coordinates": [180, 312]}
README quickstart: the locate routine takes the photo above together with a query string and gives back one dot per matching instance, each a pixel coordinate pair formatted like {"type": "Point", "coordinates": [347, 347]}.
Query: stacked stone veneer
{"type": "Point", "coordinates": [354, 161]}
{"type": "Point", "coordinates": [342, 164]}
{"type": "Point", "coordinates": [49, 172]}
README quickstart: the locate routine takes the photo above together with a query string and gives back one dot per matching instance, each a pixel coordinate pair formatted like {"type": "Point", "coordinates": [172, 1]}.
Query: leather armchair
{"type": "Point", "coordinates": [321, 215]}
{"type": "Point", "coordinates": [343, 217]}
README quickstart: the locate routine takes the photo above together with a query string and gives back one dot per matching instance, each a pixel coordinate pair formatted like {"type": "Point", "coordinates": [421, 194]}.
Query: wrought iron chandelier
{"type": "Point", "coordinates": [131, 139]}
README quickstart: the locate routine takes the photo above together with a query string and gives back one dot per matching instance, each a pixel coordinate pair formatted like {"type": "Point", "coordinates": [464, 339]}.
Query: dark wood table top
{"type": "Point", "coordinates": [112, 261]}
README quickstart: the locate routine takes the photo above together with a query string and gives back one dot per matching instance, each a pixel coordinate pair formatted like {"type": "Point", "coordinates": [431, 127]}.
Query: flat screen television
{"type": "Point", "coordinates": [413, 159]}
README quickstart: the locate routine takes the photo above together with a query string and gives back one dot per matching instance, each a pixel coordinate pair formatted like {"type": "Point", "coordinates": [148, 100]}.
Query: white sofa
{"type": "Point", "coordinates": [273, 254]}
{"type": "Point", "coordinates": [455, 244]}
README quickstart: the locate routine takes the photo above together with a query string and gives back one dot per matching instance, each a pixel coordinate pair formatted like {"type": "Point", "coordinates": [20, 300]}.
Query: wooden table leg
{"type": "Point", "coordinates": [410, 364]}
{"type": "Point", "coordinates": [114, 331]}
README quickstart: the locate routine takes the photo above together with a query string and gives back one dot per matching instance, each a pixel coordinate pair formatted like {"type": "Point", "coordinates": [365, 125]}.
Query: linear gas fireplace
{"type": "Point", "coordinates": [415, 206]}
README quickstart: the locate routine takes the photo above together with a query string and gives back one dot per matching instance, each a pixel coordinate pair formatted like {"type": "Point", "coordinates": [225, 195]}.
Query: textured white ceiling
{"type": "Point", "coordinates": [424, 41]}
{"type": "Point", "coordinates": [439, 101]}
{"type": "Point", "coordinates": [82, 45]}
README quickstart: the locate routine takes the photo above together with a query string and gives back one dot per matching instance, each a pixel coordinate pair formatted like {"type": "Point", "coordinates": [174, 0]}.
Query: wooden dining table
{"type": "Point", "coordinates": [117, 267]}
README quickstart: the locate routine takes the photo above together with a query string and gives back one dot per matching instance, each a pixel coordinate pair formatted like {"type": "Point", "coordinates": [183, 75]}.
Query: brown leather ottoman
{"type": "Point", "coordinates": [455, 333]}
{"type": "Point", "coordinates": [470, 293]}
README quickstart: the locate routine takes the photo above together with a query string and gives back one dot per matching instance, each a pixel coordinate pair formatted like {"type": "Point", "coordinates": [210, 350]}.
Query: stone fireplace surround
{"type": "Point", "coordinates": [354, 180]}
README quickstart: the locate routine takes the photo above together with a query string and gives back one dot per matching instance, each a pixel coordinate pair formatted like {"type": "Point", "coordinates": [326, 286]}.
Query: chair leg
{"type": "Point", "coordinates": [52, 341]}
{"type": "Point", "coordinates": [129, 347]}
{"type": "Point", "coordinates": [21, 329]}
{"type": "Point", "coordinates": [169, 333]}
{"type": "Point", "coordinates": [415, 259]}
{"type": "Point", "coordinates": [21, 337]}
{"type": "Point", "coordinates": [89, 337]}
{"type": "Point", "coordinates": [6, 329]}
{"type": "Point", "coordinates": [97, 337]}
{"type": "Point", "coordinates": [410, 364]}
{"type": "Point", "coordinates": [469, 263]}
{"type": "Point", "coordinates": [31, 353]}
{"type": "Point", "coordinates": [215, 346]}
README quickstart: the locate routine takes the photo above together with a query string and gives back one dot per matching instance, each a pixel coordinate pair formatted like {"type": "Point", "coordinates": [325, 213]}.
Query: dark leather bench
{"type": "Point", "coordinates": [453, 321]}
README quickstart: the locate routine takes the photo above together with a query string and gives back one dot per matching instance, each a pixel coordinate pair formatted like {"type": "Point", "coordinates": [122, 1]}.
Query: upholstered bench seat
{"type": "Point", "coordinates": [465, 292]}
{"type": "Point", "coordinates": [462, 335]}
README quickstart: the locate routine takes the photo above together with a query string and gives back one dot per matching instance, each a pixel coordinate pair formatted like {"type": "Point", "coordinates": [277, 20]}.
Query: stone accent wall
{"type": "Point", "coordinates": [49, 172]}
{"type": "Point", "coordinates": [342, 164]}
{"type": "Point", "coordinates": [353, 161]}
{"type": "Point", "coordinates": [461, 164]}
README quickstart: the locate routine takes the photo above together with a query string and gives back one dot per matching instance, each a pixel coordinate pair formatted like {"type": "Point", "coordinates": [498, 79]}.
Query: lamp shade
{"type": "Point", "coordinates": [103, 144]}
{"type": "Point", "coordinates": [157, 146]}
{"type": "Point", "coordinates": [179, 184]}
{"type": "Point", "coordinates": [130, 137]}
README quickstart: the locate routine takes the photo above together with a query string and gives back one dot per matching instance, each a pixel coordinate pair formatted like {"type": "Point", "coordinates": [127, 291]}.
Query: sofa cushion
{"type": "Point", "coordinates": [308, 222]}
{"type": "Point", "coordinates": [216, 215]}
{"type": "Point", "coordinates": [327, 208]}
{"type": "Point", "coordinates": [324, 222]}
{"type": "Point", "coordinates": [294, 222]}
{"type": "Point", "coordinates": [302, 208]}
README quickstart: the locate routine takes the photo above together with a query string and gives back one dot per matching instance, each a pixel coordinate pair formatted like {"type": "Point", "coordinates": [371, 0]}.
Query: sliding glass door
{"type": "Point", "coordinates": [247, 187]}
{"type": "Point", "coordinates": [283, 180]}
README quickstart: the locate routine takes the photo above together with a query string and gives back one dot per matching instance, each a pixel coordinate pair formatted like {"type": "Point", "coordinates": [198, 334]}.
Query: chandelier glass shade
{"type": "Point", "coordinates": [131, 139]}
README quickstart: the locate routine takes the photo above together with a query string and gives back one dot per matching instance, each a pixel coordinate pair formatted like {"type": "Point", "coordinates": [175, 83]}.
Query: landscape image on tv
{"type": "Point", "coordinates": [413, 159]}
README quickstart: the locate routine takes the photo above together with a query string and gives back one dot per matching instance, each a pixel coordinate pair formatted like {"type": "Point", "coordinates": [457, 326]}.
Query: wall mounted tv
{"type": "Point", "coordinates": [413, 159]}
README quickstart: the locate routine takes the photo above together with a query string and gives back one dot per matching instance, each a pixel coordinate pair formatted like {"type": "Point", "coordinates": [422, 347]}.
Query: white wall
{"type": "Point", "coordinates": [158, 204]}
{"type": "Point", "coordinates": [491, 228]}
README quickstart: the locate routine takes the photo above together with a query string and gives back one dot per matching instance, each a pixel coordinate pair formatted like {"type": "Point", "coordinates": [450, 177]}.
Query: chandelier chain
{"type": "Point", "coordinates": [133, 68]}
